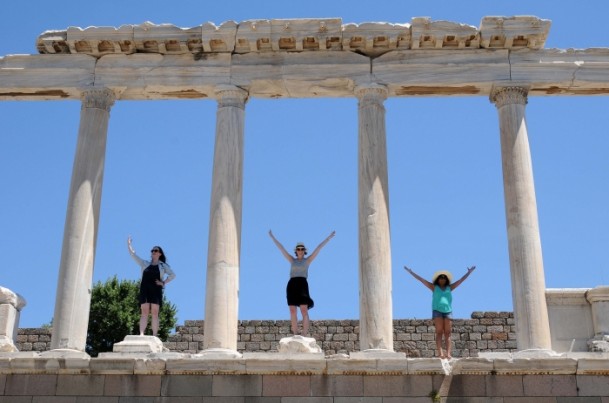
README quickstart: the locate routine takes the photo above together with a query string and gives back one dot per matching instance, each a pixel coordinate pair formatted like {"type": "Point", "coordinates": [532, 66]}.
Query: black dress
{"type": "Point", "coordinates": [297, 292]}
{"type": "Point", "coordinates": [150, 292]}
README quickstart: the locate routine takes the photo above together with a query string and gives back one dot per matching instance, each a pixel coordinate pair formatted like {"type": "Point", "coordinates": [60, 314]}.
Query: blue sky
{"type": "Point", "coordinates": [300, 173]}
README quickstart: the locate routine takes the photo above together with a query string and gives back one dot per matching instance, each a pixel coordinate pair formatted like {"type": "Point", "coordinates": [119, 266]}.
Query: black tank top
{"type": "Point", "coordinates": [150, 275]}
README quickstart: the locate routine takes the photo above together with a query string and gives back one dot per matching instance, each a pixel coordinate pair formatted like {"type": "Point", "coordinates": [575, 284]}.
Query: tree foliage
{"type": "Point", "coordinates": [115, 313]}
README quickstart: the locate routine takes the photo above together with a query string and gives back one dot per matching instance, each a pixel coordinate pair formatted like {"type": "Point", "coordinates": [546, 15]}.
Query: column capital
{"type": "Point", "coordinates": [371, 92]}
{"type": "Point", "coordinates": [231, 95]}
{"type": "Point", "coordinates": [99, 98]}
{"type": "Point", "coordinates": [509, 95]}
{"type": "Point", "coordinates": [598, 294]}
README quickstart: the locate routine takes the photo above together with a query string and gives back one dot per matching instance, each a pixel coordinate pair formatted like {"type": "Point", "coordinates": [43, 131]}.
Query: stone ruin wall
{"type": "Point", "coordinates": [484, 332]}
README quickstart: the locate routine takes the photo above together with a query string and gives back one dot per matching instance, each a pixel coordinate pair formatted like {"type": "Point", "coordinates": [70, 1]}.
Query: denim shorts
{"type": "Point", "coordinates": [438, 314]}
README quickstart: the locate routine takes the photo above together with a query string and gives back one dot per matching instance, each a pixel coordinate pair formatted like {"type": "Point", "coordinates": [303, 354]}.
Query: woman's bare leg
{"type": "Point", "coordinates": [439, 324]}
{"type": "Point", "coordinates": [304, 310]}
{"type": "Point", "coordinates": [447, 332]}
{"type": "Point", "coordinates": [155, 319]}
{"type": "Point", "coordinates": [145, 308]}
{"type": "Point", "coordinates": [294, 319]}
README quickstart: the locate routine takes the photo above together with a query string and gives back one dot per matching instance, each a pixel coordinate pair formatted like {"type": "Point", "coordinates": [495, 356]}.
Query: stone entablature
{"type": "Point", "coordinates": [297, 35]}
{"type": "Point", "coordinates": [304, 58]}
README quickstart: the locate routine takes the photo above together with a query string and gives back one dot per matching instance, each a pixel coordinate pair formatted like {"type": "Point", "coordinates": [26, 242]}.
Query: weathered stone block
{"type": "Point", "coordinates": [550, 385]}
{"type": "Point", "coordinates": [186, 385]}
{"type": "Point", "coordinates": [467, 385]}
{"type": "Point", "coordinates": [504, 385]}
{"type": "Point", "coordinates": [407, 385]}
{"type": "Point", "coordinates": [86, 385]}
{"type": "Point", "coordinates": [592, 385]}
{"type": "Point", "coordinates": [30, 385]}
{"type": "Point", "coordinates": [132, 385]}
{"type": "Point", "coordinates": [283, 385]}
{"type": "Point", "coordinates": [237, 385]}
{"type": "Point", "coordinates": [337, 385]}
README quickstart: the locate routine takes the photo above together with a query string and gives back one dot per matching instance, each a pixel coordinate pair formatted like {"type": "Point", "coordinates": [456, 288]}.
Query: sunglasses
{"type": "Point", "coordinates": [154, 250]}
{"type": "Point", "coordinates": [300, 249]}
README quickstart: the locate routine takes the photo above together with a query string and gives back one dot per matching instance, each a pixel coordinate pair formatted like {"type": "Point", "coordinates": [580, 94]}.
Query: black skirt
{"type": "Point", "coordinates": [150, 292]}
{"type": "Point", "coordinates": [297, 292]}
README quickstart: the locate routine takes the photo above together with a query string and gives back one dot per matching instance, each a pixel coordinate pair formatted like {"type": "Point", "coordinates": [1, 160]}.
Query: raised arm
{"type": "Point", "coordinates": [130, 246]}
{"type": "Point", "coordinates": [284, 252]}
{"type": "Point", "coordinates": [321, 245]}
{"type": "Point", "coordinates": [462, 279]}
{"type": "Point", "coordinates": [135, 257]}
{"type": "Point", "coordinates": [421, 279]}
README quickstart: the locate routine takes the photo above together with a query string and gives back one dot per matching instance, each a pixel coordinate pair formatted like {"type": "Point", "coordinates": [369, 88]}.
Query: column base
{"type": "Point", "coordinates": [298, 345]}
{"type": "Point", "coordinates": [139, 344]}
{"type": "Point", "coordinates": [6, 345]}
{"type": "Point", "coordinates": [217, 353]}
{"type": "Point", "coordinates": [64, 353]}
{"type": "Point", "coordinates": [380, 353]}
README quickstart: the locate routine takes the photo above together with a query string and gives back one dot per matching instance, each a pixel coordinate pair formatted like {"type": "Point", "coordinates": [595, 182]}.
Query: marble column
{"type": "Point", "coordinates": [376, 317]}
{"type": "Point", "coordinates": [73, 297]}
{"type": "Point", "coordinates": [222, 284]}
{"type": "Point", "coordinates": [526, 263]}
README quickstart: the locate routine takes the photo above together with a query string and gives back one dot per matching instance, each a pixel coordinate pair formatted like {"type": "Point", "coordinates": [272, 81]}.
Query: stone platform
{"type": "Point", "coordinates": [69, 376]}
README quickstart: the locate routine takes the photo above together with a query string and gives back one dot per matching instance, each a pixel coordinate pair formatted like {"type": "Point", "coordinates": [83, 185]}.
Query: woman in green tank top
{"type": "Point", "coordinates": [442, 287]}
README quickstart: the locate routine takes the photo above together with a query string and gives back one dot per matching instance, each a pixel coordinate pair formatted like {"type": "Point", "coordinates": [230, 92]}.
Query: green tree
{"type": "Point", "coordinates": [115, 313]}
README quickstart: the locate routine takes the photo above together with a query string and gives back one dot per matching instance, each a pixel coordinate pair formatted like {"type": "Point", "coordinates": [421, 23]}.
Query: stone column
{"type": "Point", "coordinates": [11, 305]}
{"type": "Point", "coordinates": [222, 284]}
{"type": "Point", "coordinates": [376, 318]}
{"type": "Point", "coordinates": [526, 263]}
{"type": "Point", "coordinates": [73, 297]}
{"type": "Point", "coordinates": [599, 300]}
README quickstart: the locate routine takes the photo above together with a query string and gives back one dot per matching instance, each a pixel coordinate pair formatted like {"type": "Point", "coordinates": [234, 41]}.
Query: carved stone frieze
{"type": "Point", "coordinates": [297, 35]}
{"type": "Point", "coordinates": [514, 32]}
{"type": "Point", "coordinates": [428, 34]}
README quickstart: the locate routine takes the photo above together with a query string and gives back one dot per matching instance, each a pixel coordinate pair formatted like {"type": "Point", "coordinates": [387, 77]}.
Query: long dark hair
{"type": "Point", "coordinates": [438, 279]}
{"type": "Point", "coordinates": [162, 258]}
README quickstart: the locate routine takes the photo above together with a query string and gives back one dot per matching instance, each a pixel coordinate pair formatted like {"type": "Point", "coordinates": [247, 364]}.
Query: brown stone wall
{"type": "Point", "coordinates": [483, 332]}
{"type": "Point", "coordinates": [33, 339]}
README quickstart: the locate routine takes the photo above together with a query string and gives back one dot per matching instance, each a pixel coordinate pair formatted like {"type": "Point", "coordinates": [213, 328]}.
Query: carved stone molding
{"type": "Point", "coordinates": [230, 95]}
{"type": "Point", "coordinates": [371, 94]}
{"type": "Point", "coordinates": [598, 294]}
{"type": "Point", "coordinates": [297, 35]}
{"type": "Point", "coordinates": [99, 98]}
{"type": "Point", "coordinates": [502, 96]}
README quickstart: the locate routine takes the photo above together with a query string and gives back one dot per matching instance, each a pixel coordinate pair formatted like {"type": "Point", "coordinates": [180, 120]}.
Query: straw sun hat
{"type": "Point", "coordinates": [439, 273]}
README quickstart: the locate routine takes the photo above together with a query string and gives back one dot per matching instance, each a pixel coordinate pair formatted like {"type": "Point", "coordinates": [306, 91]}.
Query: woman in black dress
{"type": "Point", "coordinates": [297, 290]}
{"type": "Point", "coordinates": [156, 273]}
